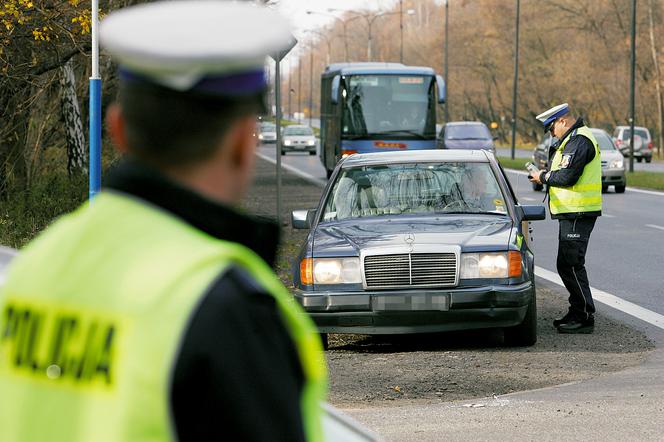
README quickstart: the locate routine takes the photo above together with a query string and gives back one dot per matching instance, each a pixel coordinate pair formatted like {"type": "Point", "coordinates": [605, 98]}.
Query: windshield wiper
{"type": "Point", "coordinates": [408, 132]}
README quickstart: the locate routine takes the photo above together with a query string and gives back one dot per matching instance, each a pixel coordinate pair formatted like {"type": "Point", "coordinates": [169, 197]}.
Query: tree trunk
{"type": "Point", "coordinates": [653, 48]}
{"type": "Point", "coordinates": [71, 114]}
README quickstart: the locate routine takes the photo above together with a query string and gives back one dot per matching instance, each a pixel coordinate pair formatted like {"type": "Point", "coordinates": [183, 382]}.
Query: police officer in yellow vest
{"type": "Point", "coordinates": [153, 314]}
{"type": "Point", "coordinates": [575, 199]}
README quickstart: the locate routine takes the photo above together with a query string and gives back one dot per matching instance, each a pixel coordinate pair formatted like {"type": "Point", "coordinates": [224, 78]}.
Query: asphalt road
{"type": "Point", "coordinates": [623, 259]}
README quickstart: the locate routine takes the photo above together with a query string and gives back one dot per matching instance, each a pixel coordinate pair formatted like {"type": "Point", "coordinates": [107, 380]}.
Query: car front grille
{"type": "Point", "coordinates": [410, 270]}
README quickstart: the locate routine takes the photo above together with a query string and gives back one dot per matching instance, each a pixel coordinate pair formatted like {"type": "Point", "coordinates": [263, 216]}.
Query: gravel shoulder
{"type": "Point", "coordinates": [375, 371]}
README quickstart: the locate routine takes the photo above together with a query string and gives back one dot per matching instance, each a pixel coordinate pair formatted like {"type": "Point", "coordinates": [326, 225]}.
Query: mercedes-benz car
{"type": "Point", "coordinates": [420, 241]}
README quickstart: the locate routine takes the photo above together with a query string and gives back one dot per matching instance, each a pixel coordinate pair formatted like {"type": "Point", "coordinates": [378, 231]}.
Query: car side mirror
{"type": "Point", "coordinates": [442, 89]}
{"type": "Point", "coordinates": [532, 212]}
{"type": "Point", "coordinates": [302, 219]}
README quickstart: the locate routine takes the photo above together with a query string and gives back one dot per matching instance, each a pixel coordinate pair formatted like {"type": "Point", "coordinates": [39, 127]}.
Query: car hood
{"type": "Point", "coordinates": [609, 155]}
{"type": "Point", "coordinates": [468, 144]}
{"type": "Point", "coordinates": [471, 233]}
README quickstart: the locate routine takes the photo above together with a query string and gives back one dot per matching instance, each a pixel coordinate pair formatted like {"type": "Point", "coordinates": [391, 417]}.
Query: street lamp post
{"type": "Point", "coordinates": [631, 88]}
{"type": "Point", "coordinates": [343, 24]}
{"type": "Point", "coordinates": [327, 41]}
{"type": "Point", "coordinates": [311, 83]}
{"type": "Point", "coordinates": [290, 90]}
{"type": "Point", "coordinates": [516, 78]}
{"type": "Point", "coordinates": [447, 80]}
{"type": "Point", "coordinates": [299, 90]}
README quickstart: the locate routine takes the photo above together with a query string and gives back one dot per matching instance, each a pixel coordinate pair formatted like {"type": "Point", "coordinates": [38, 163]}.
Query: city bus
{"type": "Point", "coordinates": [374, 107]}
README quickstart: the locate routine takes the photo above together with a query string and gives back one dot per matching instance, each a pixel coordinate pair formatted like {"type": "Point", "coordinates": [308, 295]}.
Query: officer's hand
{"type": "Point", "coordinates": [536, 179]}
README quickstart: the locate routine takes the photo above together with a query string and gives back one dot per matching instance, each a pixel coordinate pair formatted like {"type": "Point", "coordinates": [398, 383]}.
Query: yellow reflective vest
{"type": "Point", "coordinates": [93, 312]}
{"type": "Point", "coordinates": [586, 194]}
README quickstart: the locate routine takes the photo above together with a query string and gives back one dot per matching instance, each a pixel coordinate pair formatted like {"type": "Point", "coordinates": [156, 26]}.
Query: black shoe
{"type": "Point", "coordinates": [576, 326]}
{"type": "Point", "coordinates": [563, 320]}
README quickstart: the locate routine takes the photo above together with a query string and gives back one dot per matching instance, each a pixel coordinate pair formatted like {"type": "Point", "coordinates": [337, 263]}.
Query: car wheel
{"type": "Point", "coordinates": [283, 152]}
{"type": "Point", "coordinates": [605, 188]}
{"type": "Point", "coordinates": [323, 338]}
{"type": "Point", "coordinates": [312, 152]}
{"type": "Point", "coordinates": [620, 189]}
{"type": "Point", "coordinates": [638, 159]}
{"type": "Point", "coordinates": [648, 159]}
{"type": "Point", "coordinates": [524, 334]}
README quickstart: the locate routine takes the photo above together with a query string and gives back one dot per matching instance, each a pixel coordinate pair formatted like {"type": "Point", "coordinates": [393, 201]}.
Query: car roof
{"type": "Point", "coordinates": [635, 127]}
{"type": "Point", "coordinates": [416, 156]}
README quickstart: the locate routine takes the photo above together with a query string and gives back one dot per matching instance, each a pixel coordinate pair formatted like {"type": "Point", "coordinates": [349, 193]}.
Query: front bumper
{"type": "Point", "coordinates": [613, 177]}
{"type": "Point", "coordinates": [417, 311]}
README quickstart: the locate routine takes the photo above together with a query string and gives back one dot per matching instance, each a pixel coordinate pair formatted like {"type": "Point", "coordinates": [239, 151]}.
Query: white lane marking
{"type": "Point", "coordinates": [655, 226]}
{"type": "Point", "coordinates": [611, 300]}
{"type": "Point", "coordinates": [606, 215]}
{"type": "Point", "coordinates": [629, 189]}
{"type": "Point", "coordinates": [525, 198]}
{"type": "Point", "coordinates": [294, 170]}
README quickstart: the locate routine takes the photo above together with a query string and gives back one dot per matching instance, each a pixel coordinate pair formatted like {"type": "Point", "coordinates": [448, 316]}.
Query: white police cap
{"type": "Point", "coordinates": [213, 47]}
{"type": "Point", "coordinates": [548, 117]}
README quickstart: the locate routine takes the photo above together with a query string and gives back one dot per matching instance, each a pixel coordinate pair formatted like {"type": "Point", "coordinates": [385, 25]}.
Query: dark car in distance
{"type": "Point", "coordinates": [466, 135]}
{"type": "Point", "coordinates": [420, 241]}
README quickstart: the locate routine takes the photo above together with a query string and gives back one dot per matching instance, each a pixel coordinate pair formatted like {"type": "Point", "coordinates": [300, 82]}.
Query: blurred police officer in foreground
{"type": "Point", "coordinates": [575, 200]}
{"type": "Point", "coordinates": [153, 314]}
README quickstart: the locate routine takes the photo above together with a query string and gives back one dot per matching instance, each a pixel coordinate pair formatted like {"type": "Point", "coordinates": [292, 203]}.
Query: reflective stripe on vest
{"type": "Point", "coordinates": [586, 194]}
{"type": "Point", "coordinates": [87, 345]}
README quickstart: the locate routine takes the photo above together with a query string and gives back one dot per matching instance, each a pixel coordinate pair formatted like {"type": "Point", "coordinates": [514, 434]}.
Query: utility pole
{"type": "Point", "coordinates": [632, 76]}
{"type": "Point", "coordinates": [401, 30]}
{"type": "Point", "coordinates": [311, 83]}
{"type": "Point", "coordinates": [447, 80]}
{"type": "Point", "coordinates": [516, 77]}
{"type": "Point", "coordinates": [290, 75]}
{"type": "Point", "coordinates": [299, 90]}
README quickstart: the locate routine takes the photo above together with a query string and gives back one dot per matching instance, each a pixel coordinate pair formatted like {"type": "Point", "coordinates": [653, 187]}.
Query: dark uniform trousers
{"type": "Point", "coordinates": [573, 238]}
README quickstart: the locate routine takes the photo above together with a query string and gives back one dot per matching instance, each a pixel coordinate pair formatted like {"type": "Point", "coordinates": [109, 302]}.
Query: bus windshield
{"type": "Point", "coordinates": [388, 106]}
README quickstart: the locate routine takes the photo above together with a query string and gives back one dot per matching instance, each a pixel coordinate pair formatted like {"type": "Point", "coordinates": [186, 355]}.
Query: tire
{"type": "Point", "coordinates": [639, 159]}
{"type": "Point", "coordinates": [620, 189]}
{"type": "Point", "coordinates": [323, 338]}
{"type": "Point", "coordinates": [312, 153]}
{"type": "Point", "coordinates": [524, 334]}
{"type": "Point", "coordinates": [648, 159]}
{"type": "Point", "coordinates": [283, 152]}
{"type": "Point", "coordinates": [605, 188]}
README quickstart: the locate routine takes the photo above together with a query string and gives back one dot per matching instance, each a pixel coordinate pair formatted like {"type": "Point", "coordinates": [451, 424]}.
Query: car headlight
{"type": "Point", "coordinates": [312, 142]}
{"type": "Point", "coordinates": [490, 265]}
{"type": "Point", "coordinates": [330, 271]}
{"type": "Point", "coordinates": [287, 142]}
{"type": "Point", "coordinates": [616, 164]}
{"type": "Point", "coordinates": [260, 136]}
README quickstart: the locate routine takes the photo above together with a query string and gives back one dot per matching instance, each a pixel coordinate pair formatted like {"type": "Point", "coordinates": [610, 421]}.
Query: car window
{"type": "Point", "coordinates": [467, 132]}
{"type": "Point", "coordinates": [616, 133]}
{"type": "Point", "coordinates": [414, 188]}
{"type": "Point", "coordinates": [298, 130]}
{"type": "Point", "coordinates": [268, 127]}
{"type": "Point", "coordinates": [643, 133]}
{"type": "Point", "coordinates": [604, 141]}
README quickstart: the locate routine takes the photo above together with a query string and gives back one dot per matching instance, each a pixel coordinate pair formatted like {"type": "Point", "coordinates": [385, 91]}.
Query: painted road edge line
{"type": "Point", "coordinates": [611, 300]}
{"type": "Point", "coordinates": [655, 226]}
{"type": "Point", "coordinates": [629, 189]}
{"type": "Point", "coordinates": [294, 171]}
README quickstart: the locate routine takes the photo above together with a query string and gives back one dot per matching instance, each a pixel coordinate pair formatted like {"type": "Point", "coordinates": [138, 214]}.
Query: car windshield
{"type": "Point", "coordinates": [414, 189]}
{"type": "Point", "coordinates": [268, 127]}
{"type": "Point", "coordinates": [604, 141]}
{"type": "Point", "coordinates": [467, 132]}
{"type": "Point", "coordinates": [627, 133]}
{"type": "Point", "coordinates": [298, 130]}
{"type": "Point", "coordinates": [389, 106]}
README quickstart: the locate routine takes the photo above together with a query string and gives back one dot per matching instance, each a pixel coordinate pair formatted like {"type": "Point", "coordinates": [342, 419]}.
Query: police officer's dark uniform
{"type": "Point", "coordinates": [575, 199]}
{"type": "Point", "coordinates": [153, 313]}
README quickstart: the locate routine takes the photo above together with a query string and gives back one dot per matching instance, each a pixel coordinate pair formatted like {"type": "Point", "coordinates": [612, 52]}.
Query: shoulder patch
{"type": "Point", "coordinates": [566, 161]}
